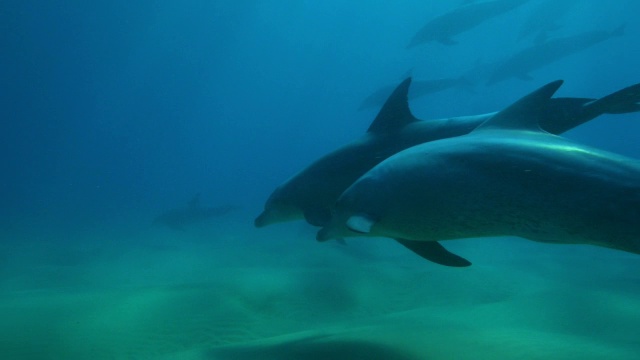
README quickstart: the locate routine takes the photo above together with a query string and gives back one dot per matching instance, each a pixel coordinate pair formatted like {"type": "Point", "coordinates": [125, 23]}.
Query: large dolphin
{"type": "Point", "coordinates": [311, 193]}
{"type": "Point", "coordinates": [193, 213]}
{"type": "Point", "coordinates": [506, 178]}
{"type": "Point", "coordinates": [444, 27]}
{"type": "Point", "coordinates": [521, 64]}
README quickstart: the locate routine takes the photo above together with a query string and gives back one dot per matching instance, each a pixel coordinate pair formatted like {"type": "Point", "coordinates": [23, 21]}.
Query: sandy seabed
{"type": "Point", "coordinates": [231, 292]}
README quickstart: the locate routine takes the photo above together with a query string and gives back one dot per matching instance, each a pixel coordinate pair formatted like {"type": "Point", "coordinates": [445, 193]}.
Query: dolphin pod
{"type": "Point", "coordinates": [312, 193]}
{"type": "Point", "coordinates": [508, 177]}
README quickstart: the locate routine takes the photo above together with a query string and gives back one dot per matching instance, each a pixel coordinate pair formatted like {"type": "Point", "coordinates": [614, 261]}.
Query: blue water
{"type": "Point", "coordinates": [114, 112]}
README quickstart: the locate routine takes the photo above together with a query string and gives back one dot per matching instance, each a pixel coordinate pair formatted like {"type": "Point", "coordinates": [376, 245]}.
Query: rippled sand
{"type": "Point", "coordinates": [233, 292]}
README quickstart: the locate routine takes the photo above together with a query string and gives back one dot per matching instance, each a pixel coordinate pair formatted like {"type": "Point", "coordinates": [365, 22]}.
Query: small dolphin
{"type": "Point", "coordinates": [444, 27]}
{"type": "Point", "coordinates": [521, 64]}
{"type": "Point", "coordinates": [312, 193]}
{"type": "Point", "coordinates": [506, 178]}
{"type": "Point", "coordinates": [193, 213]}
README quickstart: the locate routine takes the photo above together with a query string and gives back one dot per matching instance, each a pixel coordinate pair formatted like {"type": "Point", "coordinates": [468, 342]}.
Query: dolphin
{"type": "Point", "coordinates": [521, 64]}
{"type": "Point", "coordinates": [311, 193]}
{"type": "Point", "coordinates": [464, 18]}
{"type": "Point", "coordinates": [508, 177]}
{"type": "Point", "coordinates": [193, 213]}
{"type": "Point", "coordinates": [418, 88]}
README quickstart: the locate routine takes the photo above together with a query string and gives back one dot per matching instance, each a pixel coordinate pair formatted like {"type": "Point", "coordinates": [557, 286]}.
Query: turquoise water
{"type": "Point", "coordinates": [116, 113]}
{"type": "Point", "coordinates": [225, 291]}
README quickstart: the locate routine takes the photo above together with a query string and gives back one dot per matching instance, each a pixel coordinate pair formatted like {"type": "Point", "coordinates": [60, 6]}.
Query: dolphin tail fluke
{"type": "Point", "coordinates": [434, 252]}
{"type": "Point", "coordinates": [622, 101]}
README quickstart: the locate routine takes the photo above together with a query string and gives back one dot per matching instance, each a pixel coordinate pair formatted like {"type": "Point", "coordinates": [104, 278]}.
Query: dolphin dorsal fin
{"type": "Point", "coordinates": [395, 113]}
{"type": "Point", "coordinates": [524, 114]}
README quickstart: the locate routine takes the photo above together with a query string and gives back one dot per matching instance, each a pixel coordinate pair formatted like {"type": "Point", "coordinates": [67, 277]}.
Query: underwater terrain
{"type": "Point", "coordinates": [140, 141]}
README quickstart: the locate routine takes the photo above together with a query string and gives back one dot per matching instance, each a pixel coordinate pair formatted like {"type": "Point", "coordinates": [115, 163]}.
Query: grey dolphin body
{"type": "Point", "coordinates": [444, 27]}
{"type": "Point", "coordinates": [508, 177]}
{"type": "Point", "coordinates": [193, 213]}
{"type": "Point", "coordinates": [521, 64]}
{"type": "Point", "coordinates": [311, 193]}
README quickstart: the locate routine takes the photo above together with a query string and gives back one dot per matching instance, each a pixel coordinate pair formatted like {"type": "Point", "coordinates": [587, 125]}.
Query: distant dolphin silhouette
{"type": "Point", "coordinates": [444, 27]}
{"type": "Point", "coordinates": [418, 88]}
{"type": "Point", "coordinates": [312, 193]}
{"type": "Point", "coordinates": [193, 213]}
{"type": "Point", "coordinates": [521, 64]}
{"type": "Point", "coordinates": [506, 178]}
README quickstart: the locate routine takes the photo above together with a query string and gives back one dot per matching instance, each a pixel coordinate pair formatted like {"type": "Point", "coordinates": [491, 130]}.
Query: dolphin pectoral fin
{"type": "Point", "coordinates": [361, 224]}
{"type": "Point", "coordinates": [341, 241]}
{"type": "Point", "coordinates": [317, 216]}
{"type": "Point", "coordinates": [434, 252]}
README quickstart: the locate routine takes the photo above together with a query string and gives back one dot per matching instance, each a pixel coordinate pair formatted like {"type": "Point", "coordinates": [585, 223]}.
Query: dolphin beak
{"type": "Point", "coordinates": [268, 217]}
{"type": "Point", "coordinates": [261, 220]}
